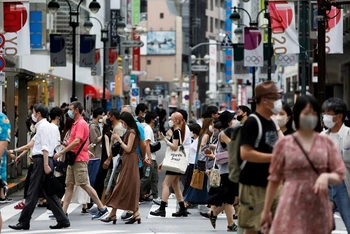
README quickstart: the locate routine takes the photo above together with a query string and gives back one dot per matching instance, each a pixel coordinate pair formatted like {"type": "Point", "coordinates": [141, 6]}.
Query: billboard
{"type": "Point", "coordinates": [161, 43]}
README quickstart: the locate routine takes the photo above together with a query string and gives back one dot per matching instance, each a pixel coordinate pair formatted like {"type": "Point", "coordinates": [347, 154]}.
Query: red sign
{"type": "Point", "coordinates": [2, 63]}
{"type": "Point", "coordinates": [136, 54]}
{"type": "Point", "coordinates": [112, 55]}
{"type": "Point", "coordinates": [2, 40]}
{"type": "Point", "coordinates": [15, 16]}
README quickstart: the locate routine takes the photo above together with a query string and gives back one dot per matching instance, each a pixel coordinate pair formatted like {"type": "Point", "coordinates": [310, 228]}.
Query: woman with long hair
{"type": "Point", "coordinates": [307, 162]}
{"type": "Point", "coordinates": [172, 178]}
{"type": "Point", "coordinates": [126, 193]}
{"type": "Point", "coordinates": [284, 120]}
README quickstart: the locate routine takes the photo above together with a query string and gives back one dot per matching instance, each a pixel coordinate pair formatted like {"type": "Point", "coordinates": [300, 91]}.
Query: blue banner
{"type": "Point", "coordinates": [228, 29]}
{"type": "Point", "coordinates": [87, 50]}
{"type": "Point", "coordinates": [57, 50]}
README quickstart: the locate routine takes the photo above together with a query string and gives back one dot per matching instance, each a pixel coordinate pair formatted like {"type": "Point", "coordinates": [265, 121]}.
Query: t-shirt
{"type": "Point", "coordinates": [175, 136]}
{"type": "Point", "coordinates": [142, 138]}
{"type": "Point", "coordinates": [5, 135]}
{"type": "Point", "coordinates": [80, 129]}
{"type": "Point", "coordinates": [193, 151]}
{"type": "Point", "coordinates": [256, 173]}
{"type": "Point", "coordinates": [149, 136]}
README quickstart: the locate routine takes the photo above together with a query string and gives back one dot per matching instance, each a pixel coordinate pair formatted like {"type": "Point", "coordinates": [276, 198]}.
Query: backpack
{"type": "Point", "coordinates": [235, 162]}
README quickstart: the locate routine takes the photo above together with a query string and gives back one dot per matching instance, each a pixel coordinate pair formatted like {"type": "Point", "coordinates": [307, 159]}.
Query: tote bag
{"type": "Point", "coordinates": [214, 177]}
{"type": "Point", "coordinates": [175, 160]}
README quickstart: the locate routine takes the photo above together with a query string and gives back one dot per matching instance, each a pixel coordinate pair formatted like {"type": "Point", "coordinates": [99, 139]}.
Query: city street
{"type": "Point", "coordinates": [82, 223]}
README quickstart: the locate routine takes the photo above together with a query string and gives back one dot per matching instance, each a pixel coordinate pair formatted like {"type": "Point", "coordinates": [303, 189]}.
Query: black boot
{"type": "Point", "coordinates": [182, 211]}
{"type": "Point", "coordinates": [161, 211]}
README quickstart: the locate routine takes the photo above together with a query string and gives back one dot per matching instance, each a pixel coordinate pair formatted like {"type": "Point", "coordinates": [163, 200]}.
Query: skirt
{"type": "Point", "coordinates": [226, 193]}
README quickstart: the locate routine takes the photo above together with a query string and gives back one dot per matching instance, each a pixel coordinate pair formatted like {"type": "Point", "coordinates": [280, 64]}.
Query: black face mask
{"type": "Point", "coordinates": [239, 118]}
{"type": "Point", "coordinates": [108, 122]}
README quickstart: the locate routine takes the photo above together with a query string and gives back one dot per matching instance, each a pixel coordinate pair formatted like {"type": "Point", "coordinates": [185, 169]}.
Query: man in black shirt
{"type": "Point", "coordinates": [258, 137]}
{"type": "Point", "coordinates": [162, 117]}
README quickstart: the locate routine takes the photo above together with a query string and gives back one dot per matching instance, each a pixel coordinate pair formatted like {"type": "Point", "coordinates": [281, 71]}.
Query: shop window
{"type": "Point", "coordinates": [161, 15]}
{"type": "Point", "coordinates": [149, 62]}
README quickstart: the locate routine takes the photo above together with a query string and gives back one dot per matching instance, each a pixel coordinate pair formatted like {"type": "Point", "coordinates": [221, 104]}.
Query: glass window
{"type": "Point", "coordinates": [211, 24]}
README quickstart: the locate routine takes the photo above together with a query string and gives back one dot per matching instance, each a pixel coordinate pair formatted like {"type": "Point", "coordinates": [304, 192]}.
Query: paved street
{"type": "Point", "coordinates": [82, 223]}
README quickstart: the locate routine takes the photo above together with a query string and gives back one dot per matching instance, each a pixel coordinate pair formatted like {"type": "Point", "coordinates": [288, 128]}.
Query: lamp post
{"type": "Point", "coordinates": [53, 7]}
{"type": "Point", "coordinates": [104, 39]}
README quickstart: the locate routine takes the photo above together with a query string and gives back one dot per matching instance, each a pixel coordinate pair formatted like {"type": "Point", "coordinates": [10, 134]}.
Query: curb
{"type": "Point", "coordinates": [15, 185]}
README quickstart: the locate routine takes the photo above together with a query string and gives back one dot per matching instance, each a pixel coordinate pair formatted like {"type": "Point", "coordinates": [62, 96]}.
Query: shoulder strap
{"type": "Point", "coordinates": [81, 147]}
{"type": "Point", "coordinates": [180, 136]}
{"type": "Point", "coordinates": [260, 130]}
{"type": "Point", "coordinates": [306, 155]}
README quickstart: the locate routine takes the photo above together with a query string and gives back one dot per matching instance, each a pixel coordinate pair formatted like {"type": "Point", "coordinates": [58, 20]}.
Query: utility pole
{"type": "Point", "coordinates": [321, 31]}
{"type": "Point", "coordinates": [304, 28]}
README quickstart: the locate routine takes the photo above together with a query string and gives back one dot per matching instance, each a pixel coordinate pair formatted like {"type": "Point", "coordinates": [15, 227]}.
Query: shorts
{"type": "Point", "coordinates": [77, 174]}
{"type": "Point", "coordinates": [251, 205]}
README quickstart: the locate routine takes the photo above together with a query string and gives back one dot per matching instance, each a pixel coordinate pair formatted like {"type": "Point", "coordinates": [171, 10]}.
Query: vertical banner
{"type": "Point", "coordinates": [112, 69]}
{"type": "Point", "coordinates": [128, 12]}
{"type": "Point", "coordinates": [285, 60]}
{"type": "Point", "coordinates": [57, 50]}
{"type": "Point", "coordinates": [16, 28]}
{"type": "Point", "coordinates": [285, 37]}
{"type": "Point", "coordinates": [212, 67]}
{"type": "Point", "coordinates": [87, 50]}
{"type": "Point", "coordinates": [228, 28]}
{"type": "Point", "coordinates": [334, 32]}
{"type": "Point", "coordinates": [96, 69]}
{"type": "Point", "coordinates": [115, 39]}
{"type": "Point", "coordinates": [238, 57]}
{"type": "Point", "coordinates": [136, 54]}
{"type": "Point", "coordinates": [136, 12]}
{"type": "Point", "coordinates": [253, 48]}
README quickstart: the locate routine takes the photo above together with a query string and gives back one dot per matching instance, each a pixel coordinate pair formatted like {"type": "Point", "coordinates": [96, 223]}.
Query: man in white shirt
{"type": "Point", "coordinates": [150, 175]}
{"type": "Point", "coordinates": [334, 114]}
{"type": "Point", "coordinates": [44, 145]}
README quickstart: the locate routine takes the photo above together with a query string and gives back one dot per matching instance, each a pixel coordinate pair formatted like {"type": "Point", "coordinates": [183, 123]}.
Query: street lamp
{"type": "Point", "coordinates": [53, 7]}
{"type": "Point", "coordinates": [104, 39]}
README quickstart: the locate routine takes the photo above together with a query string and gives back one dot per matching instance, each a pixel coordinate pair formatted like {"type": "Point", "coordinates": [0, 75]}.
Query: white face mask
{"type": "Point", "coordinates": [211, 129]}
{"type": "Point", "coordinates": [171, 123]}
{"type": "Point", "coordinates": [34, 118]}
{"type": "Point", "coordinates": [281, 120]}
{"type": "Point", "coordinates": [328, 121]}
{"type": "Point", "coordinates": [277, 106]}
{"type": "Point", "coordinates": [32, 128]}
{"type": "Point", "coordinates": [235, 123]}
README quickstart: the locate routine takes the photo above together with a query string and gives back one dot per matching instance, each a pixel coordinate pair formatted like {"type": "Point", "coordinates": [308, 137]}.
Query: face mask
{"type": "Point", "coordinates": [171, 123]}
{"type": "Point", "coordinates": [34, 118]}
{"type": "Point", "coordinates": [70, 114]}
{"type": "Point", "coordinates": [211, 129]}
{"type": "Point", "coordinates": [328, 121]}
{"type": "Point", "coordinates": [239, 117]}
{"type": "Point", "coordinates": [235, 123]}
{"type": "Point", "coordinates": [281, 120]}
{"type": "Point", "coordinates": [32, 129]}
{"type": "Point", "coordinates": [277, 106]}
{"type": "Point", "coordinates": [308, 122]}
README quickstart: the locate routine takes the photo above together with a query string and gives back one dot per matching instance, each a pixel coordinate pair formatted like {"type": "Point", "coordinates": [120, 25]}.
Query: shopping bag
{"type": "Point", "coordinates": [197, 179]}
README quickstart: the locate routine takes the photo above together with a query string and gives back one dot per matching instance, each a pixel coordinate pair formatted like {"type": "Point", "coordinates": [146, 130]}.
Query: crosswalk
{"type": "Point", "coordinates": [82, 224]}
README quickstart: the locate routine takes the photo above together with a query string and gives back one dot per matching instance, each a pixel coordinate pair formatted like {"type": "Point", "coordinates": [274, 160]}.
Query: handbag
{"type": "Point", "coordinates": [197, 179]}
{"type": "Point", "coordinates": [221, 158]}
{"type": "Point", "coordinates": [214, 177]}
{"type": "Point", "coordinates": [71, 156]}
{"type": "Point", "coordinates": [311, 164]}
{"type": "Point", "coordinates": [156, 147]}
{"type": "Point", "coordinates": [175, 160]}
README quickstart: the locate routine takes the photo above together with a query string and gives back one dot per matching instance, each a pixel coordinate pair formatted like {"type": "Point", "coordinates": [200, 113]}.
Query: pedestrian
{"type": "Point", "coordinates": [173, 178]}
{"type": "Point", "coordinates": [77, 174]}
{"type": "Point", "coordinates": [284, 120]}
{"type": "Point", "coordinates": [308, 163]}
{"type": "Point", "coordinates": [162, 117]}
{"type": "Point", "coordinates": [150, 178]}
{"type": "Point", "coordinates": [256, 147]}
{"type": "Point", "coordinates": [334, 114]}
{"type": "Point", "coordinates": [44, 145]}
{"type": "Point", "coordinates": [126, 193]}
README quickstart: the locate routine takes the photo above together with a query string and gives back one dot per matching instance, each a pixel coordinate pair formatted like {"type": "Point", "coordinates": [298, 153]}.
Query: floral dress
{"type": "Point", "coordinates": [300, 210]}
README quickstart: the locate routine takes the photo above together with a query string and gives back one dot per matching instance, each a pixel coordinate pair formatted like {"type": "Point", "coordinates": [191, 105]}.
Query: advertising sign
{"type": "Point", "coordinates": [57, 50]}
{"type": "Point", "coordinates": [87, 50]}
{"type": "Point", "coordinates": [161, 42]}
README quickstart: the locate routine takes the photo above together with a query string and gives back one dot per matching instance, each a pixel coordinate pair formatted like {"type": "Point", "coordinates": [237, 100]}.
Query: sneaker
{"type": "Point", "coordinates": [5, 200]}
{"type": "Point", "coordinates": [100, 214]}
{"type": "Point", "coordinates": [93, 210]}
{"type": "Point", "coordinates": [158, 202]}
{"type": "Point", "coordinates": [19, 206]}
{"type": "Point", "coordinates": [126, 215]}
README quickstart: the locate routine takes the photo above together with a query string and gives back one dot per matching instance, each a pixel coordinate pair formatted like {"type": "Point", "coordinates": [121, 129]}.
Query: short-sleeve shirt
{"type": "Point", "coordinates": [80, 129]}
{"type": "Point", "coordinates": [256, 173]}
{"type": "Point", "coordinates": [5, 135]}
{"type": "Point", "coordinates": [149, 136]}
{"type": "Point", "coordinates": [142, 138]}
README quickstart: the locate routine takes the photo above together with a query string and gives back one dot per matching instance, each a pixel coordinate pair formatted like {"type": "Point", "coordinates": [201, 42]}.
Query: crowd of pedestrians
{"type": "Point", "coordinates": [257, 168]}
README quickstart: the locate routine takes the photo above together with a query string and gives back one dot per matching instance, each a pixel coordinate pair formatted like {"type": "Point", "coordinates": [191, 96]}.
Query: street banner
{"type": "Point", "coordinates": [57, 50]}
{"type": "Point", "coordinates": [212, 67]}
{"type": "Point", "coordinates": [238, 63]}
{"type": "Point", "coordinates": [16, 28]}
{"type": "Point", "coordinates": [334, 32]}
{"type": "Point", "coordinates": [286, 60]}
{"type": "Point", "coordinates": [253, 47]}
{"type": "Point", "coordinates": [136, 53]}
{"type": "Point", "coordinates": [284, 34]}
{"type": "Point", "coordinates": [115, 39]}
{"type": "Point", "coordinates": [136, 5]}
{"type": "Point", "coordinates": [87, 50]}
{"type": "Point", "coordinates": [96, 69]}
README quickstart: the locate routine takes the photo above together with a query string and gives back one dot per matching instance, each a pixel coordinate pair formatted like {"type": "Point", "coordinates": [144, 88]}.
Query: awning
{"type": "Point", "coordinates": [95, 92]}
{"type": "Point", "coordinates": [334, 63]}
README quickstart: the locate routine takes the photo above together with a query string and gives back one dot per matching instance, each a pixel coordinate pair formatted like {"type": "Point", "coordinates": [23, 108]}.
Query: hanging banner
{"type": "Point", "coordinates": [285, 37]}
{"type": "Point", "coordinates": [238, 63]}
{"type": "Point", "coordinates": [136, 5]}
{"type": "Point", "coordinates": [115, 39]}
{"type": "Point", "coordinates": [57, 50]}
{"type": "Point", "coordinates": [16, 28]}
{"type": "Point", "coordinates": [228, 52]}
{"type": "Point", "coordinates": [286, 60]}
{"type": "Point", "coordinates": [136, 54]}
{"type": "Point", "coordinates": [334, 32]}
{"type": "Point", "coordinates": [96, 69]}
{"type": "Point", "coordinates": [87, 50]}
{"type": "Point", "coordinates": [212, 67]}
{"type": "Point", "coordinates": [253, 47]}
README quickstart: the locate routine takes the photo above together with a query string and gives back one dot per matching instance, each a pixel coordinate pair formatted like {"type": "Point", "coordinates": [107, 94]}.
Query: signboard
{"type": "Point", "coordinates": [226, 43]}
{"type": "Point", "coordinates": [2, 63]}
{"type": "Point", "coordinates": [113, 29]}
{"type": "Point", "coordinates": [130, 44]}
{"type": "Point", "coordinates": [134, 96]}
{"type": "Point", "coordinates": [200, 68]}
{"type": "Point", "coordinates": [2, 40]}
{"type": "Point", "coordinates": [314, 72]}
{"type": "Point", "coordinates": [180, 89]}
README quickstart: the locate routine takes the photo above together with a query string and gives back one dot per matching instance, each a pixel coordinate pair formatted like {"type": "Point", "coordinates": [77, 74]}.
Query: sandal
{"type": "Point", "coordinates": [212, 219]}
{"type": "Point", "coordinates": [233, 228]}
{"type": "Point", "coordinates": [19, 206]}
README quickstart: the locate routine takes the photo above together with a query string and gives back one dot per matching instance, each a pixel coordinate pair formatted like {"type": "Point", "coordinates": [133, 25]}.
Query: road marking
{"type": "Point", "coordinates": [45, 215]}
{"type": "Point", "coordinates": [9, 211]}
{"type": "Point", "coordinates": [339, 232]}
{"type": "Point", "coordinates": [8, 230]}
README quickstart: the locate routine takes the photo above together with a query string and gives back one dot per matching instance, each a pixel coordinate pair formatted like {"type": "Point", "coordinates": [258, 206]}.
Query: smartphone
{"type": "Point", "coordinates": [207, 151]}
